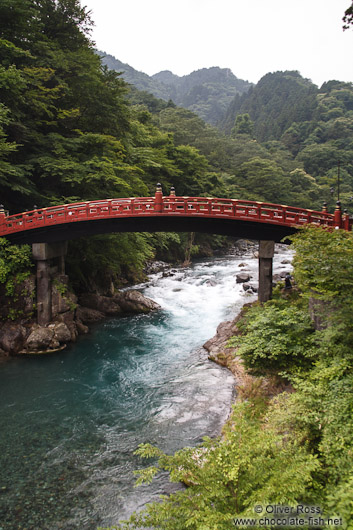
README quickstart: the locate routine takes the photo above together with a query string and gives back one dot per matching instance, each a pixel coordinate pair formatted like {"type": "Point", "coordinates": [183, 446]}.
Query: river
{"type": "Point", "coordinates": [71, 421]}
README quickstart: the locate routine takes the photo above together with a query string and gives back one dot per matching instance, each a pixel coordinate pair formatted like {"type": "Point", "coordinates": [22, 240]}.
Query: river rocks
{"type": "Point", "coordinates": [242, 277]}
{"type": "Point", "coordinates": [130, 301]}
{"type": "Point", "coordinates": [153, 267]}
{"type": "Point", "coordinates": [81, 328]}
{"type": "Point", "coordinates": [104, 304]}
{"type": "Point", "coordinates": [40, 339]}
{"type": "Point", "coordinates": [224, 331]}
{"type": "Point", "coordinates": [12, 337]}
{"type": "Point", "coordinates": [62, 298]}
{"type": "Point", "coordinates": [69, 319]}
{"type": "Point", "coordinates": [61, 332]}
{"type": "Point", "coordinates": [88, 315]}
{"type": "Point", "coordinates": [250, 287]}
{"type": "Point", "coordinates": [3, 354]}
{"type": "Point", "coordinates": [135, 302]}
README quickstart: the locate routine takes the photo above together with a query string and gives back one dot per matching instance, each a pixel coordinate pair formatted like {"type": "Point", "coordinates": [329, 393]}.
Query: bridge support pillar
{"type": "Point", "coordinates": [43, 253]}
{"type": "Point", "coordinates": [266, 253]}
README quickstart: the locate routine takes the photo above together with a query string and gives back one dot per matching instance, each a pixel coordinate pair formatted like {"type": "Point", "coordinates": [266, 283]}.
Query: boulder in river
{"type": "Point", "coordinates": [153, 267]}
{"type": "Point", "coordinates": [87, 315]}
{"type": "Point", "coordinates": [40, 339]}
{"type": "Point", "coordinates": [250, 287]}
{"type": "Point", "coordinates": [61, 332]}
{"type": "Point", "coordinates": [242, 277]}
{"type": "Point", "coordinates": [107, 305]}
{"type": "Point", "coordinates": [130, 301]}
{"type": "Point", "coordinates": [133, 301]}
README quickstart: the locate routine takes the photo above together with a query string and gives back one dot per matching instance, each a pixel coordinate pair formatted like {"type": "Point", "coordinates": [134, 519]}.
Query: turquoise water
{"type": "Point", "coordinates": [71, 421]}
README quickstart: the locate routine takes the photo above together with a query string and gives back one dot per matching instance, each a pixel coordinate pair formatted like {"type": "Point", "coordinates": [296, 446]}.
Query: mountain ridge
{"type": "Point", "coordinates": [208, 91]}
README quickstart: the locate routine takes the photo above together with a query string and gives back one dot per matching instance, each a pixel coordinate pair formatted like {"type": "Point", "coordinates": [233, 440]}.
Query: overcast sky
{"type": "Point", "coordinates": [251, 37]}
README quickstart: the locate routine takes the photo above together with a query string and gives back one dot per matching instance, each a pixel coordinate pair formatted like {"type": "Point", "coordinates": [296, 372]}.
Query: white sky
{"type": "Point", "coordinates": [251, 37]}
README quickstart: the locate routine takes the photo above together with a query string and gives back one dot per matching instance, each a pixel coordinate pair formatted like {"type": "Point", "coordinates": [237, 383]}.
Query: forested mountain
{"type": "Point", "coordinates": [313, 126]}
{"type": "Point", "coordinates": [207, 92]}
{"type": "Point", "coordinates": [138, 79]}
{"type": "Point", "coordinates": [274, 103]}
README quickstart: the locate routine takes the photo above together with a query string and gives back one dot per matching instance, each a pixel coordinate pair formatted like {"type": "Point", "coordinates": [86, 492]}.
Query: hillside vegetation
{"type": "Point", "coordinates": [313, 126]}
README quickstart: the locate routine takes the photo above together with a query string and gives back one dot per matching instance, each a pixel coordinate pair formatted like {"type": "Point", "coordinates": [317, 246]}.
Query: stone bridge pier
{"type": "Point", "coordinates": [50, 258]}
{"type": "Point", "coordinates": [266, 253]}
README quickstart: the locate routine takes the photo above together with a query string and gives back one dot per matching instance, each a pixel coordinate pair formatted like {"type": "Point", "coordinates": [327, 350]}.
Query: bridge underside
{"type": "Point", "coordinates": [160, 223]}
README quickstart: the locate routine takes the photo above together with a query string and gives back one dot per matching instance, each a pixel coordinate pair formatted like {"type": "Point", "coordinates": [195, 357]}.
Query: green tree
{"type": "Point", "coordinates": [243, 125]}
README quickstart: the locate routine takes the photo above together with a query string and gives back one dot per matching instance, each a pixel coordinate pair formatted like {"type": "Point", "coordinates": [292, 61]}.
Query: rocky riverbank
{"type": "Point", "coordinates": [72, 317]}
{"type": "Point", "coordinates": [221, 354]}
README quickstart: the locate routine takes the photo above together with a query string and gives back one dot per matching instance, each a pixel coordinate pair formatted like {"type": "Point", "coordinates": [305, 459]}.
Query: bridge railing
{"type": "Point", "coordinates": [172, 205]}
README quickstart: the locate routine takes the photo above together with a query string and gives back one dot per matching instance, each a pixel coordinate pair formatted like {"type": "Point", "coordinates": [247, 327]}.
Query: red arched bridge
{"type": "Point", "coordinates": [48, 229]}
{"type": "Point", "coordinates": [239, 218]}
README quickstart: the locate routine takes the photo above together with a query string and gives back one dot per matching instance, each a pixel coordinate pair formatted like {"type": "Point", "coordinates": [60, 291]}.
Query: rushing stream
{"type": "Point", "coordinates": [71, 421]}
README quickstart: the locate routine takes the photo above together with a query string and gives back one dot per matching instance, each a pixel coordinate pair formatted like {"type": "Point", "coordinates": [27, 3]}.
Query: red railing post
{"type": "Point", "coordinates": [158, 199]}
{"type": "Point", "coordinates": [337, 216]}
{"type": "Point", "coordinates": [345, 221]}
{"type": "Point", "coordinates": [2, 215]}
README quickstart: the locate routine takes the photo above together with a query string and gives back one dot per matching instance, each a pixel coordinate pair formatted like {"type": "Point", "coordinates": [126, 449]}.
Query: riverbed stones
{"type": "Point", "coordinates": [94, 307]}
{"type": "Point", "coordinates": [63, 299]}
{"type": "Point", "coordinates": [88, 315]}
{"type": "Point", "coordinates": [152, 267]}
{"type": "Point", "coordinates": [242, 277]}
{"type": "Point", "coordinates": [250, 287]}
{"type": "Point", "coordinates": [12, 337]}
{"type": "Point", "coordinates": [69, 319]}
{"type": "Point", "coordinates": [61, 332]}
{"type": "Point", "coordinates": [133, 301]}
{"type": "Point", "coordinates": [104, 304]}
{"type": "Point", "coordinates": [219, 342]}
{"type": "Point", "coordinates": [81, 328]}
{"type": "Point", "coordinates": [40, 339]}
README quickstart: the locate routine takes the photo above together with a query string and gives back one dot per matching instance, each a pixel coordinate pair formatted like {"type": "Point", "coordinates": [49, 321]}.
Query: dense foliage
{"type": "Point", "coordinates": [15, 268]}
{"type": "Point", "coordinates": [294, 448]}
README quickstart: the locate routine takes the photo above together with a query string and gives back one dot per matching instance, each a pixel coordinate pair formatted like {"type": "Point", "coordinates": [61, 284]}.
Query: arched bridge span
{"type": "Point", "coordinates": [232, 217]}
{"type": "Point", "coordinates": [48, 229]}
